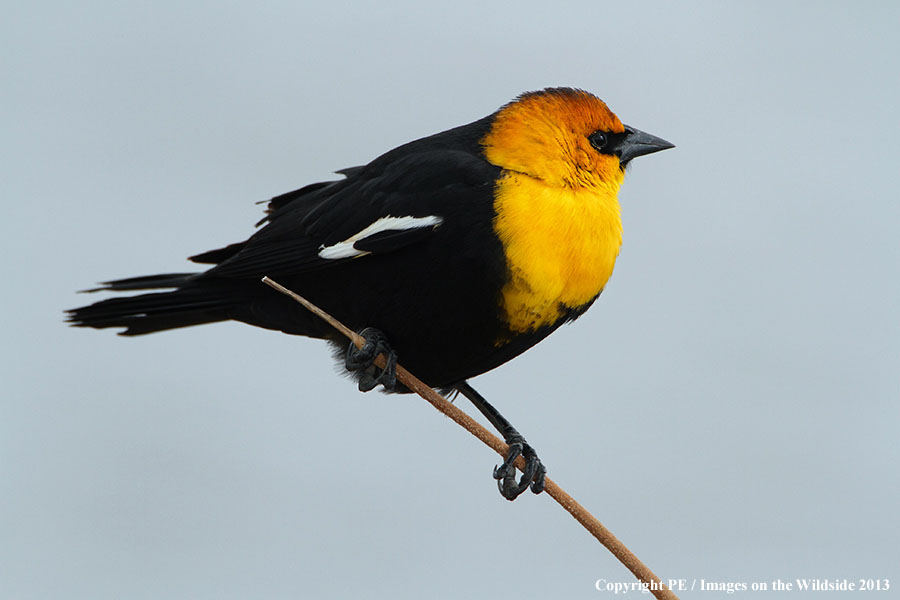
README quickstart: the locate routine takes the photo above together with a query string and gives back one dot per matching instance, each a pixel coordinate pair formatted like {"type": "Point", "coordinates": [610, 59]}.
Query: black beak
{"type": "Point", "coordinates": [637, 143]}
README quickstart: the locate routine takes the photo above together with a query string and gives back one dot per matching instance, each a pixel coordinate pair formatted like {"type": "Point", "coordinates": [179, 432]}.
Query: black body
{"type": "Point", "coordinates": [435, 293]}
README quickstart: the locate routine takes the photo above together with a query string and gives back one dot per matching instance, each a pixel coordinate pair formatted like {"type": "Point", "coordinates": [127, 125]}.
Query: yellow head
{"type": "Point", "coordinates": [566, 138]}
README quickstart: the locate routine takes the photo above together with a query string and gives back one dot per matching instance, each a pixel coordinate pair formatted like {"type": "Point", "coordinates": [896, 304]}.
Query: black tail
{"type": "Point", "coordinates": [194, 302]}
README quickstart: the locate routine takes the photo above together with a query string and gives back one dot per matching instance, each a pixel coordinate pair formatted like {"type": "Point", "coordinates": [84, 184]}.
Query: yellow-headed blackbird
{"type": "Point", "coordinates": [455, 252]}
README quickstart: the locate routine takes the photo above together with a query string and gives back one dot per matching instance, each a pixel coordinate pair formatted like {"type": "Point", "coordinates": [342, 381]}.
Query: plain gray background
{"type": "Point", "coordinates": [729, 407]}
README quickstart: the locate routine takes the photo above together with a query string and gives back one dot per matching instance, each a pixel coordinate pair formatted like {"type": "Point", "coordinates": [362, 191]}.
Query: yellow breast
{"type": "Point", "coordinates": [561, 245]}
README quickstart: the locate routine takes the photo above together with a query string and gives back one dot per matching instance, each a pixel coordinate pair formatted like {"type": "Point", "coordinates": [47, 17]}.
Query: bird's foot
{"type": "Point", "coordinates": [362, 360]}
{"type": "Point", "coordinates": [532, 477]}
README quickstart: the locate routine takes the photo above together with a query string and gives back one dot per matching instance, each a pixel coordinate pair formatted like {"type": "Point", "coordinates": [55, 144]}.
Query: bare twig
{"type": "Point", "coordinates": [595, 527]}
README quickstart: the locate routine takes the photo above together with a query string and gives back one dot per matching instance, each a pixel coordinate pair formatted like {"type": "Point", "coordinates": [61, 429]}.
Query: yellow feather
{"type": "Point", "coordinates": [561, 246]}
{"type": "Point", "coordinates": [556, 208]}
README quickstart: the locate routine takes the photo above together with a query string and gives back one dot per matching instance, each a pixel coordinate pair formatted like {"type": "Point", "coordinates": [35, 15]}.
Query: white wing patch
{"type": "Point", "coordinates": [346, 249]}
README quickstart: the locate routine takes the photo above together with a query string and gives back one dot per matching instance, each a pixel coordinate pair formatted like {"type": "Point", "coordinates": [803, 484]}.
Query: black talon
{"type": "Point", "coordinates": [363, 361]}
{"type": "Point", "coordinates": [534, 474]}
{"type": "Point", "coordinates": [537, 484]}
{"type": "Point", "coordinates": [507, 470]}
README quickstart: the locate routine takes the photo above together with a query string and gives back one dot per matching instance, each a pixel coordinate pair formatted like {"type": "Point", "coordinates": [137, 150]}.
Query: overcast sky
{"type": "Point", "coordinates": [728, 408]}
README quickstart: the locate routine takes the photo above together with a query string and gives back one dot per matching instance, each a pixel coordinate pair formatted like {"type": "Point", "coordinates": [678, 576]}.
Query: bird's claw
{"type": "Point", "coordinates": [533, 476]}
{"type": "Point", "coordinates": [362, 360]}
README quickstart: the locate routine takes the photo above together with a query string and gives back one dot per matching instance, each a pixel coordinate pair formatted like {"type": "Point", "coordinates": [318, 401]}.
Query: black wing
{"type": "Point", "coordinates": [300, 224]}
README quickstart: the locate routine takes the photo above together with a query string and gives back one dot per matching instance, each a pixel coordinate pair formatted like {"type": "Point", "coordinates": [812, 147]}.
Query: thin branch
{"type": "Point", "coordinates": [594, 527]}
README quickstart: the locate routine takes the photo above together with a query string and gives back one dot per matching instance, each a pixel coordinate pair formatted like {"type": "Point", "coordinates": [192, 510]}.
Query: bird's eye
{"type": "Point", "coordinates": [598, 140]}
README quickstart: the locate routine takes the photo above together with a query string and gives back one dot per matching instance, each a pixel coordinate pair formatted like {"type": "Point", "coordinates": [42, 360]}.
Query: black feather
{"type": "Point", "coordinates": [432, 287]}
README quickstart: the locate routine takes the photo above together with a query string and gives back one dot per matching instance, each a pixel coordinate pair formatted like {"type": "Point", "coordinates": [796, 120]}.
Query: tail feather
{"type": "Point", "coordinates": [194, 304]}
{"type": "Point", "coordinates": [147, 282]}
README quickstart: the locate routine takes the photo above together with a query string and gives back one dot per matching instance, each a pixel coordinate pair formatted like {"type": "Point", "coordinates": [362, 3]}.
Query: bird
{"type": "Point", "coordinates": [453, 253]}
